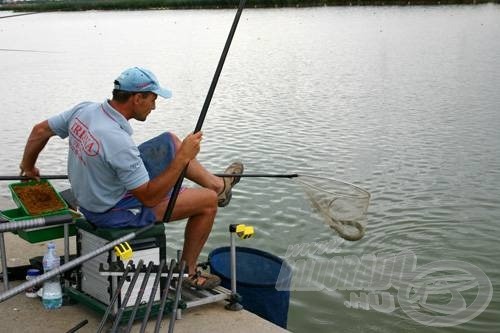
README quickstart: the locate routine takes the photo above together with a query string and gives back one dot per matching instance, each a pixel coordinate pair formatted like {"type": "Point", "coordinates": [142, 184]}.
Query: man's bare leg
{"type": "Point", "coordinates": [198, 174]}
{"type": "Point", "coordinates": [199, 206]}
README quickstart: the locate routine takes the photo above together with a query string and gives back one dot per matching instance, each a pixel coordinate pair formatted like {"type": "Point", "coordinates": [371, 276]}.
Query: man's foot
{"type": "Point", "coordinates": [225, 195]}
{"type": "Point", "coordinates": [201, 280]}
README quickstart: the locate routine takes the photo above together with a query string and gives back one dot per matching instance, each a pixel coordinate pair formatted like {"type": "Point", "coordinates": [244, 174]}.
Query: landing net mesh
{"type": "Point", "coordinates": [342, 205]}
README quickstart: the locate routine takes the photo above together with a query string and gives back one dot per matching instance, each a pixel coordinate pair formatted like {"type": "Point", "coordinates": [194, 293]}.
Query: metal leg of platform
{"type": "Point", "coordinates": [114, 284]}
{"type": "Point", "coordinates": [5, 272]}
{"type": "Point", "coordinates": [66, 250]}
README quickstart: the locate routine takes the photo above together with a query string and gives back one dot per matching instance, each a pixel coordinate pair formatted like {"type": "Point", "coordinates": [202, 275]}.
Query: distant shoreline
{"type": "Point", "coordinates": [82, 5]}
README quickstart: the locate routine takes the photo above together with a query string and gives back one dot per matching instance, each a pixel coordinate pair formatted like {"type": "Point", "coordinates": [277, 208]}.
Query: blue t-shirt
{"type": "Point", "coordinates": [103, 160]}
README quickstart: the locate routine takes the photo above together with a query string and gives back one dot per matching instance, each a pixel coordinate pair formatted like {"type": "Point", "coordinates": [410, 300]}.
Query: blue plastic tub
{"type": "Point", "coordinates": [257, 275]}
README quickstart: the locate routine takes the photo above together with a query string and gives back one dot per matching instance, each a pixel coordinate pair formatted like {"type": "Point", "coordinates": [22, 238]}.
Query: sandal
{"type": "Point", "coordinates": [225, 195]}
{"type": "Point", "coordinates": [201, 280]}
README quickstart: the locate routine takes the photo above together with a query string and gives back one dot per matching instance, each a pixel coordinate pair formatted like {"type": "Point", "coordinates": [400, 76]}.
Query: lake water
{"type": "Point", "coordinates": [403, 101]}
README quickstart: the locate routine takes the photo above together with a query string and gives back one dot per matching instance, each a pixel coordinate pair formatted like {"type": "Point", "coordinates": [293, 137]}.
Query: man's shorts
{"type": "Point", "coordinates": [127, 213]}
{"type": "Point", "coordinates": [156, 154]}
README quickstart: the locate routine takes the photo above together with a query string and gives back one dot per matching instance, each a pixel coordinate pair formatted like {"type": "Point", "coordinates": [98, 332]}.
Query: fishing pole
{"type": "Point", "coordinates": [25, 50]}
{"type": "Point", "coordinates": [204, 110]}
{"type": "Point", "coordinates": [36, 222]}
{"type": "Point", "coordinates": [259, 175]}
{"type": "Point", "coordinates": [152, 296]}
{"type": "Point", "coordinates": [138, 299]}
{"type": "Point", "coordinates": [14, 15]}
{"type": "Point", "coordinates": [178, 291]}
{"type": "Point", "coordinates": [78, 326]}
{"type": "Point", "coordinates": [125, 299]}
{"type": "Point", "coordinates": [28, 178]}
{"type": "Point", "coordinates": [199, 124]}
{"type": "Point", "coordinates": [168, 213]}
{"type": "Point", "coordinates": [115, 297]}
{"type": "Point", "coordinates": [247, 175]}
{"type": "Point", "coordinates": [163, 300]}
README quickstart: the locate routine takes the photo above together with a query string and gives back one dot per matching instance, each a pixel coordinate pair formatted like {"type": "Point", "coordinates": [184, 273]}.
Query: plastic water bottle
{"type": "Point", "coordinates": [52, 293]}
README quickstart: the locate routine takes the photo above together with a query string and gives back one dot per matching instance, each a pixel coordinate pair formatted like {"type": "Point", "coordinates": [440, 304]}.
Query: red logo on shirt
{"type": "Point", "coordinates": [83, 139]}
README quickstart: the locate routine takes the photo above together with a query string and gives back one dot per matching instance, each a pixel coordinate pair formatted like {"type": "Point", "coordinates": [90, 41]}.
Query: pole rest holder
{"type": "Point", "coordinates": [116, 268]}
{"type": "Point", "coordinates": [124, 251]}
{"type": "Point", "coordinates": [242, 231]}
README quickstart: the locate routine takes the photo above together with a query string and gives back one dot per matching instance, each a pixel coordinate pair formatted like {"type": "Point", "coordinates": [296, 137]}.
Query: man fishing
{"type": "Point", "coordinates": [118, 184]}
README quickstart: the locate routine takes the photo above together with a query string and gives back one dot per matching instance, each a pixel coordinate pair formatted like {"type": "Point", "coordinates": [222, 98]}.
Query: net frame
{"type": "Point", "coordinates": [342, 205]}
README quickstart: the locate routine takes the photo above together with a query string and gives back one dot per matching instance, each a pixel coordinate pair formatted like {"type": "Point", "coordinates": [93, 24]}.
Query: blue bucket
{"type": "Point", "coordinates": [258, 275]}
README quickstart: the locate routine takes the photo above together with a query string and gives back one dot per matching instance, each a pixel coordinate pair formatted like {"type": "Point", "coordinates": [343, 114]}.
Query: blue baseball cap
{"type": "Point", "coordinates": [138, 79]}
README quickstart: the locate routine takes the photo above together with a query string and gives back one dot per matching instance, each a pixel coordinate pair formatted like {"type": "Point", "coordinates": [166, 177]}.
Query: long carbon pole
{"type": "Point", "coordinates": [168, 213]}
{"type": "Point", "coordinates": [7, 225]}
{"type": "Point", "coordinates": [178, 291]}
{"type": "Point", "coordinates": [115, 297]}
{"type": "Point", "coordinates": [152, 296]}
{"type": "Point", "coordinates": [21, 14]}
{"type": "Point", "coordinates": [163, 300]}
{"type": "Point", "coordinates": [204, 110]}
{"type": "Point", "coordinates": [130, 288]}
{"type": "Point", "coordinates": [28, 178]}
{"type": "Point", "coordinates": [35, 222]}
{"type": "Point", "coordinates": [249, 175]}
{"type": "Point", "coordinates": [138, 299]}
{"type": "Point", "coordinates": [259, 175]}
{"type": "Point", "coordinates": [78, 326]}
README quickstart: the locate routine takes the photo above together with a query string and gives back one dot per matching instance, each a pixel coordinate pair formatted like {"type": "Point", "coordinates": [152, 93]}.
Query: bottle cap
{"type": "Point", "coordinates": [33, 272]}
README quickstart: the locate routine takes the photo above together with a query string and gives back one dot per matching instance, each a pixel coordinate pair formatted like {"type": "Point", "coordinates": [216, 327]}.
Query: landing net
{"type": "Point", "coordinates": [343, 206]}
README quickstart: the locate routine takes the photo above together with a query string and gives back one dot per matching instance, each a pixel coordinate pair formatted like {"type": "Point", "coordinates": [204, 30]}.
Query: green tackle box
{"type": "Point", "coordinates": [38, 234]}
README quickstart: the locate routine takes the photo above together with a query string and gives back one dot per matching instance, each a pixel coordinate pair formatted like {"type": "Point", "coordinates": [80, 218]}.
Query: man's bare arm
{"type": "Point", "coordinates": [38, 138]}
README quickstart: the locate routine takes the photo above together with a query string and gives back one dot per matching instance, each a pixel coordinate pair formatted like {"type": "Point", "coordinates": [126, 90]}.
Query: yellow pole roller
{"type": "Point", "coordinates": [244, 231]}
{"type": "Point", "coordinates": [124, 251]}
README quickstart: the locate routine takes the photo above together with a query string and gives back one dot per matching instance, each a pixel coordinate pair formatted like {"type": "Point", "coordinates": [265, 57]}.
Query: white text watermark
{"type": "Point", "coordinates": [432, 294]}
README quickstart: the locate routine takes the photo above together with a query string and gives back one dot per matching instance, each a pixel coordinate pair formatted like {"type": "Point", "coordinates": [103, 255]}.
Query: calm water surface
{"type": "Point", "coordinates": [403, 101]}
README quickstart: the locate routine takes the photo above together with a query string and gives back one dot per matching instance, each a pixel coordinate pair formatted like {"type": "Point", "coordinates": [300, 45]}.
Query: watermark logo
{"type": "Point", "coordinates": [316, 248]}
{"type": "Point", "coordinates": [448, 278]}
{"type": "Point", "coordinates": [432, 294]}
